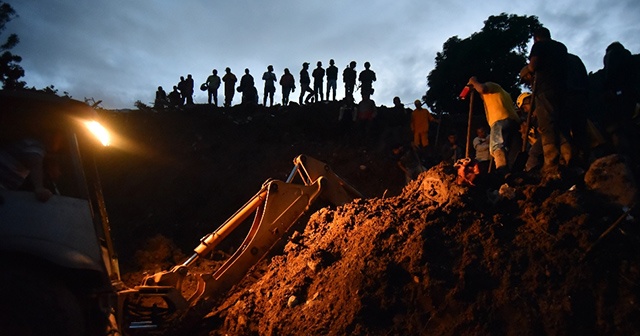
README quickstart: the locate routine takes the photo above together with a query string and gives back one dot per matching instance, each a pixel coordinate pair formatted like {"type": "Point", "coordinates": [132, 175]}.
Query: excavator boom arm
{"type": "Point", "coordinates": [276, 207]}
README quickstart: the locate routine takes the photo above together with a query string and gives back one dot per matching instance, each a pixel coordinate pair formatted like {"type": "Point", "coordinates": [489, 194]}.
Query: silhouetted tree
{"type": "Point", "coordinates": [10, 70]}
{"type": "Point", "coordinates": [496, 53]}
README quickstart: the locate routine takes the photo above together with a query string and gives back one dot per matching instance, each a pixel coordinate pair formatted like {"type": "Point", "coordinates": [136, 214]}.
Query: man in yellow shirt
{"type": "Point", "coordinates": [501, 117]}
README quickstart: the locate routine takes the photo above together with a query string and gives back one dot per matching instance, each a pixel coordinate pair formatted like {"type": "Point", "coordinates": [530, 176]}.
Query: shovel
{"type": "Point", "coordinates": [468, 92]}
{"type": "Point", "coordinates": [467, 167]}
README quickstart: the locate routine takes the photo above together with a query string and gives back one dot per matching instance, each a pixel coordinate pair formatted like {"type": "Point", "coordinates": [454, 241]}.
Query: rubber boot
{"type": "Point", "coordinates": [500, 159]}
{"type": "Point", "coordinates": [566, 151]}
{"type": "Point", "coordinates": [550, 170]}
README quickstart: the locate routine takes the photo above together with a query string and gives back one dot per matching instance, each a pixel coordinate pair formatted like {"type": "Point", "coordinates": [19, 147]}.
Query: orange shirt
{"type": "Point", "coordinates": [420, 119]}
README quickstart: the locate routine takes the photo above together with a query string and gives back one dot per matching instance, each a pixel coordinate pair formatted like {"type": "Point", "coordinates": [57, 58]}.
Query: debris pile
{"type": "Point", "coordinates": [440, 259]}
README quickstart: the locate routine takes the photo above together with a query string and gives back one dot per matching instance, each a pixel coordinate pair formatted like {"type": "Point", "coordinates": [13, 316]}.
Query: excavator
{"type": "Point", "coordinates": [60, 269]}
{"type": "Point", "coordinates": [275, 208]}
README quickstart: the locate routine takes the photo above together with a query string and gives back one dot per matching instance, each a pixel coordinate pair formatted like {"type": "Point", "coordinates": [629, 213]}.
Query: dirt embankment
{"type": "Point", "coordinates": [441, 260]}
{"type": "Point", "coordinates": [433, 258]}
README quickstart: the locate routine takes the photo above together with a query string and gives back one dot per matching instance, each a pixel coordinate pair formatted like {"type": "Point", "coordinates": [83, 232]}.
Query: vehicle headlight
{"type": "Point", "coordinates": [99, 132]}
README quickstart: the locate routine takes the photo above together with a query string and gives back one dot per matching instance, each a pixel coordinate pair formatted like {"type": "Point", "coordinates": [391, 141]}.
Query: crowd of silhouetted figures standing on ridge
{"type": "Point", "coordinates": [182, 93]}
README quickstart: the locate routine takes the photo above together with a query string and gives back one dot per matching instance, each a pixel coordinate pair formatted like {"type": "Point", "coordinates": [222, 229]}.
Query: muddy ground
{"type": "Point", "coordinates": [428, 258]}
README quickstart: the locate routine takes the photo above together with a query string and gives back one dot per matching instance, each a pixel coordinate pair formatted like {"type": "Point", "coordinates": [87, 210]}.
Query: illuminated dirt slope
{"type": "Point", "coordinates": [442, 260]}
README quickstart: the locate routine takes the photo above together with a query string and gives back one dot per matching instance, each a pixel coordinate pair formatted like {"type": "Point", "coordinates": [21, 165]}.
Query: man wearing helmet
{"type": "Point", "coordinates": [532, 137]}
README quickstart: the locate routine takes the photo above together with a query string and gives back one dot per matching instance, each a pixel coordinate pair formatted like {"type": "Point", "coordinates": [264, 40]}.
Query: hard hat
{"type": "Point", "coordinates": [418, 102]}
{"type": "Point", "coordinates": [522, 97]}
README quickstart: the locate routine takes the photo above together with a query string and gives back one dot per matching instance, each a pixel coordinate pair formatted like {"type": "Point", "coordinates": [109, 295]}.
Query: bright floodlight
{"type": "Point", "coordinates": [99, 131]}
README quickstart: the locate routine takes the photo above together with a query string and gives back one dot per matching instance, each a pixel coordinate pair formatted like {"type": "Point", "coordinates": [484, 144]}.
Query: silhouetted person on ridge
{"type": "Point", "coordinates": [332, 79]}
{"type": "Point", "coordinates": [213, 83]}
{"type": "Point", "coordinates": [182, 87]}
{"type": "Point", "coordinates": [349, 75]}
{"type": "Point", "coordinates": [229, 80]}
{"type": "Point", "coordinates": [189, 89]}
{"type": "Point", "coordinates": [305, 81]}
{"type": "Point", "coordinates": [288, 84]}
{"type": "Point", "coordinates": [318, 78]}
{"type": "Point", "coordinates": [248, 88]}
{"type": "Point", "coordinates": [174, 97]}
{"type": "Point", "coordinates": [161, 98]}
{"type": "Point", "coordinates": [269, 85]}
{"type": "Point", "coordinates": [366, 78]}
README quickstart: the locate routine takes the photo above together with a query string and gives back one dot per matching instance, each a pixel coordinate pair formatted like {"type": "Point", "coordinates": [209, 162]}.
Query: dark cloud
{"type": "Point", "coordinates": [120, 51]}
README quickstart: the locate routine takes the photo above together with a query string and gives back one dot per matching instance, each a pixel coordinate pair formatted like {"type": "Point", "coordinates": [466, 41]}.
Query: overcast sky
{"type": "Point", "coordinates": [120, 51]}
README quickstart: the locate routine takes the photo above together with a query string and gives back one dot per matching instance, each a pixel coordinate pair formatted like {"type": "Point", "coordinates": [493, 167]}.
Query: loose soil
{"type": "Point", "coordinates": [426, 258]}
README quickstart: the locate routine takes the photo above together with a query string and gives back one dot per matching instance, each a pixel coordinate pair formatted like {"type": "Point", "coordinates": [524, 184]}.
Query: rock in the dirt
{"type": "Point", "coordinates": [612, 177]}
{"type": "Point", "coordinates": [292, 302]}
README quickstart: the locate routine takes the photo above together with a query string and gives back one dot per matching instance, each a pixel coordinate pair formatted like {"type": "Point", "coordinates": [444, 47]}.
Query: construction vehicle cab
{"type": "Point", "coordinates": [58, 264]}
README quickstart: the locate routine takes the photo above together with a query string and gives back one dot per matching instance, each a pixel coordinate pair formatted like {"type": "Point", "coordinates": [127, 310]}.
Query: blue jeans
{"type": "Point", "coordinates": [331, 84]}
{"type": "Point", "coordinates": [500, 134]}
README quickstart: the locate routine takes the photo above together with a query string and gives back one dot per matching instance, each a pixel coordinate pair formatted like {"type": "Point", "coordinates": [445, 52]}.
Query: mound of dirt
{"type": "Point", "coordinates": [439, 260]}
{"type": "Point", "coordinates": [431, 258]}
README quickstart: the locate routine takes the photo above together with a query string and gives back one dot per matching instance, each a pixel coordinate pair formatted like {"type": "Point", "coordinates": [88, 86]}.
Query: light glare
{"type": "Point", "coordinates": [99, 131]}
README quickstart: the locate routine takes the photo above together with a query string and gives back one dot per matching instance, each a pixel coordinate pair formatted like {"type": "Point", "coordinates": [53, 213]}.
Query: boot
{"type": "Point", "coordinates": [550, 170]}
{"type": "Point", "coordinates": [567, 153]}
{"type": "Point", "coordinates": [500, 159]}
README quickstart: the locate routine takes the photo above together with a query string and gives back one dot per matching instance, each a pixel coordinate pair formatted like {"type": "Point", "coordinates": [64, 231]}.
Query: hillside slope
{"type": "Point", "coordinates": [429, 258]}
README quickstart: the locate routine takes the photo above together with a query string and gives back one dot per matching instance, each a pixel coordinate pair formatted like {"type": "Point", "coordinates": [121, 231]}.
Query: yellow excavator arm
{"type": "Point", "coordinates": [276, 207]}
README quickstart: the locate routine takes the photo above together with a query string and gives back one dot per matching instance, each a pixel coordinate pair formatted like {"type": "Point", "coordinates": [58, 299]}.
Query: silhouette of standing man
{"type": "Point", "coordinates": [318, 78]}
{"type": "Point", "coordinates": [288, 85]}
{"type": "Point", "coordinates": [213, 83]}
{"type": "Point", "coordinates": [189, 89]}
{"type": "Point", "coordinates": [182, 87]}
{"type": "Point", "coordinates": [248, 88]}
{"type": "Point", "coordinates": [332, 78]}
{"type": "Point", "coordinates": [269, 85]}
{"type": "Point", "coordinates": [229, 80]}
{"type": "Point", "coordinates": [548, 61]}
{"type": "Point", "coordinates": [366, 78]}
{"type": "Point", "coordinates": [349, 78]}
{"type": "Point", "coordinates": [305, 81]}
{"type": "Point", "coordinates": [161, 98]}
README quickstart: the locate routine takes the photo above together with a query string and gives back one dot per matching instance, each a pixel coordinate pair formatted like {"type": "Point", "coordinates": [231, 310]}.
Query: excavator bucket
{"type": "Point", "coordinates": [337, 191]}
